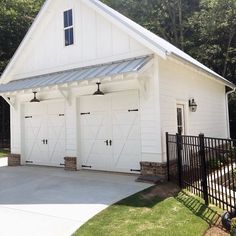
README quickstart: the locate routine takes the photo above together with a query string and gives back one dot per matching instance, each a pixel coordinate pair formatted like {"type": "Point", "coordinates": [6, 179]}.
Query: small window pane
{"type": "Point", "coordinates": [65, 19]}
{"type": "Point", "coordinates": [69, 37]}
{"type": "Point", "coordinates": [68, 18]}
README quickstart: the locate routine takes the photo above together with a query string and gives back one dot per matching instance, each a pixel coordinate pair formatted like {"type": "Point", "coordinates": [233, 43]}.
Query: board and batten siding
{"type": "Point", "coordinates": [178, 84]}
{"type": "Point", "coordinates": [96, 40]}
{"type": "Point", "coordinates": [149, 113]}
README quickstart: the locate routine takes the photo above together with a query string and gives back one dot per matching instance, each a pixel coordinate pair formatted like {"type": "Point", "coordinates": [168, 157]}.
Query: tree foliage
{"type": "Point", "coordinates": [15, 18]}
{"type": "Point", "coordinates": [213, 30]}
{"type": "Point", "coordinates": [205, 29]}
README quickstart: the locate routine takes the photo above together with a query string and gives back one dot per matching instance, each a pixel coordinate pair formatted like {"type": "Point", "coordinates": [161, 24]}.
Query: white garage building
{"type": "Point", "coordinates": [148, 85]}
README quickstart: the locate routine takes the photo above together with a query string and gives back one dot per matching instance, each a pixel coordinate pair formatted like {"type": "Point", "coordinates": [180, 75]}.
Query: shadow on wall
{"type": "Point", "coordinates": [233, 129]}
{"type": "Point", "coordinates": [4, 124]}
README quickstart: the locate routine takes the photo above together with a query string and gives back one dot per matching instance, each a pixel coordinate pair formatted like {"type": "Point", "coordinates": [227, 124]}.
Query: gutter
{"type": "Point", "coordinates": [227, 110]}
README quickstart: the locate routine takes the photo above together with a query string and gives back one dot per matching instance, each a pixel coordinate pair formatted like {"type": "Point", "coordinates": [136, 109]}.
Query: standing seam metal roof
{"type": "Point", "coordinates": [84, 73]}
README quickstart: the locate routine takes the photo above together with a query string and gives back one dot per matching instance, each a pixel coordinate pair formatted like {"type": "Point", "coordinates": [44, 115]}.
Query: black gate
{"type": "Point", "coordinates": [205, 166]}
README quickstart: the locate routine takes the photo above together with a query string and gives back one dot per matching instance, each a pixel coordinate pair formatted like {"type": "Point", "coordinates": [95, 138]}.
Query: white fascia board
{"type": "Point", "coordinates": [24, 42]}
{"type": "Point", "coordinates": [127, 28]}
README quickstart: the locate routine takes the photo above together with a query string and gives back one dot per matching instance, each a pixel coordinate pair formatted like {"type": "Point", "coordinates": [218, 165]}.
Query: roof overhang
{"type": "Point", "coordinates": [80, 76]}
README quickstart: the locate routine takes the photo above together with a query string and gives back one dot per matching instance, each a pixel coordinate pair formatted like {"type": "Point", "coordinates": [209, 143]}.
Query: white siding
{"type": "Point", "coordinates": [160, 88]}
{"type": "Point", "coordinates": [150, 126]}
{"type": "Point", "coordinates": [96, 41]}
{"type": "Point", "coordinates": [16, 129]}
{"type": "Point", "coordinates": [178, 84]}
{"type": "Point", "coordinates": [150, 115]}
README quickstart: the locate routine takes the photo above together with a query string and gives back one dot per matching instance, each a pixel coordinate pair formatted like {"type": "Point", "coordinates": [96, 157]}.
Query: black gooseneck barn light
{"type": "Point", "coordinates": [98, 92]}
{"type": "Point", "coordinates": [35, 98]}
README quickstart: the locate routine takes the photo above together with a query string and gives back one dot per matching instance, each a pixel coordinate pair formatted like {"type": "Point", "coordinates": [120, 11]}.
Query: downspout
{"type": "Point", "coordinates": [227, 110]}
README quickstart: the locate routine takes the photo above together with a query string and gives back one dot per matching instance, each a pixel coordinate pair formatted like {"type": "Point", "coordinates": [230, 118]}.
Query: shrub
{"type": "Point", "coordinates": [234, 173]}
{"type": "Point", "coordinates": [233, 227]}
{"type": "Point", "coordinates": [214, 164]}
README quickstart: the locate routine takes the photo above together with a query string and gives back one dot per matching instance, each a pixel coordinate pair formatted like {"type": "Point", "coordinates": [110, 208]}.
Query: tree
{"type": "Point", "coordinates": [167, 18]}
{"type": "Point", "coordinates": [16, 16]}
{"type": "Point", "coordinates": [213, 32]}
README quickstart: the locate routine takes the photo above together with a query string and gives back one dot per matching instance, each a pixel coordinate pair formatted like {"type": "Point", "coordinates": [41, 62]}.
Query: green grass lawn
{"type": "Point", "coordinates": [3, 153]}
{"type": "Point", "coordinates": [152, 212]}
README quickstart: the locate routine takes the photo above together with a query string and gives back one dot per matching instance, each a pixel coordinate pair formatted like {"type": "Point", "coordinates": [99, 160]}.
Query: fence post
{"type": "Point", "coordinates": [179, 156]}
{"type": "Point", "coordinates": [203, 168]}
{"type": "Point", "coordinates": [167, 156]}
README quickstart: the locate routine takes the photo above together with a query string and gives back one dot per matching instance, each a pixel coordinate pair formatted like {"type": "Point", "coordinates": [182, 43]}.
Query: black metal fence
{"type": "Point", "coordinates": [205, 166]}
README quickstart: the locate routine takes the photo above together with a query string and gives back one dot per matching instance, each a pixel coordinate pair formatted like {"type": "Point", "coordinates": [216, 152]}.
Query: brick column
{"type": "Point", "coordinates": [153, 169]}
{"type": "Point", "coordinates": [14, 159]}
{"type": "Point", "coordinates": [70, 163]}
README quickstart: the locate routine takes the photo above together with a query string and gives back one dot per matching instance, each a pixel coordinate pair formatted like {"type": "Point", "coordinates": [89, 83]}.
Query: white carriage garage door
{"type": "Point", "coordinates": [44, 133]}
{"type": "Point", "coordinates": [110, 132]}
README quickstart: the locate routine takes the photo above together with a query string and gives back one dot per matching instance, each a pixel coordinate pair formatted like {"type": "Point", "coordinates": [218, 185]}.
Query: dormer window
{"type": "Point", "coordinates": [68, 27]}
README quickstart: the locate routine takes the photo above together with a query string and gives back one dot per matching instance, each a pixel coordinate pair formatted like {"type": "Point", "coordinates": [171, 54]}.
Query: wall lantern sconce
{"type": "Point", "coordinates": [98, 92]}
{"type": "Point", "coordinates": [192, 105]}
{"type": "Point", "coordinates": [35, 98]}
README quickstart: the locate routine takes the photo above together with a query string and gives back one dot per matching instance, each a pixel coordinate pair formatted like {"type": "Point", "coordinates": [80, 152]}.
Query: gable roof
{"type": "Point", "coordinates": [144, 36]}
{"type": "Point", "coordinates": [152, 41]}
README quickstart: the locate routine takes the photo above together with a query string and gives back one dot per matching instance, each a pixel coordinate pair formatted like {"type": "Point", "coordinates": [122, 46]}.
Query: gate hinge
{"type": "Point", "coordinates": [86, 113]}
{"type": "Point", "coordinates": [132, 110]}
{"type": "Point", "coordinates": [134, 170]}
{"type": "Point", "coordinates": [28, 117]}
{"type": "Point", "coordinates": [29, 162]}
{"type": "Point", "coordinates": [86, 166]}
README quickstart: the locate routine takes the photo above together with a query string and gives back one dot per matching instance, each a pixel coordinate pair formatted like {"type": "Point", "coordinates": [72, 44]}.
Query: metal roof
{"type": "Point", "coordinates": [79, 74]}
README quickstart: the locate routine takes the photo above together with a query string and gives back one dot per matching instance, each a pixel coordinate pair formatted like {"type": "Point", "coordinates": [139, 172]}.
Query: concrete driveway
{"type": "Point", "coordinates": [3, 161]}
{"type": "Point", "coordinates": [49, 201]}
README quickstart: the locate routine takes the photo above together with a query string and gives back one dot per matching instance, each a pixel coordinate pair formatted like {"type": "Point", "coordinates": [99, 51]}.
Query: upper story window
{"type": "Point", "coordinates": [68, 27]}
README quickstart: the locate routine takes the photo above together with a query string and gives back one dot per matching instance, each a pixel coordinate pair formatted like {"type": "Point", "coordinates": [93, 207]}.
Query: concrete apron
{"type": "Point", "coordinates": [3, 161]}
{"type": "Point", "coordinates": [50, 201]}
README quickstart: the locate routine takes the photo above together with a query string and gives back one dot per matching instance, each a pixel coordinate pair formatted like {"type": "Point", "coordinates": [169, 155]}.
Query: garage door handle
{"type": "Point", "coordinates": [45, 141]}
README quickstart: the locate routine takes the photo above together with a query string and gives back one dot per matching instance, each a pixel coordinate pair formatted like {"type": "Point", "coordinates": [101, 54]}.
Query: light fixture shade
{"type": "Point", "coordinates": [192, 105]}
{"type": "Point", "coordinates": [98, 92]}
{"type": "Point", "coordinates": [35, 98]}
